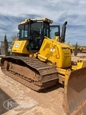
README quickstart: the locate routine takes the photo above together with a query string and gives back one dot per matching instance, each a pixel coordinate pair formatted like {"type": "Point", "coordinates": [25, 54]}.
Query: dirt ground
{"type": "Point", "coordinates": [23, 101]}
{"type": "Point", "coordinates": [16, 99]}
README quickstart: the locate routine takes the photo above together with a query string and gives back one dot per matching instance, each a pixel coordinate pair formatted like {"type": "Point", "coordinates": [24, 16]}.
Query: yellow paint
{"type": "Point", "coordinates": [20, 47]}
{"type": "Point", "coordinates": [47, 20]}
{"type": "Point", "coordinates": [81, 63]}
{"type": "Point", "coordinates": [43, 19]}
{"type": "Point", "coordinates": [57, 38]}
{"type": "Point", "coordinates": [25, 21]}
{"type": "Point", "coordinates": [55, 52]}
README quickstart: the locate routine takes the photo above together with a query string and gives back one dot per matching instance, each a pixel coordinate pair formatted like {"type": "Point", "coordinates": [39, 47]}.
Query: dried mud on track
{"type": "Point", "coordinates": [24, 101]}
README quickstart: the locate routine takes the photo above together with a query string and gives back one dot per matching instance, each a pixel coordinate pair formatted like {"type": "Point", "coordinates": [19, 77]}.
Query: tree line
{"type": "Point", "coordinates": [6, 44]}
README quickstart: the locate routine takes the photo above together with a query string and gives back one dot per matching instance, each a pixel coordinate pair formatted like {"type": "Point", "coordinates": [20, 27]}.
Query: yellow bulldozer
{"type": "Point", "coordinates": [41, 59]}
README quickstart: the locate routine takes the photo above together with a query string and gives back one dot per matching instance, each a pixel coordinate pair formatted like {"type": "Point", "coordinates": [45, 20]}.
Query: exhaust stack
{"type": "Point", "coordinates": [62, 38]}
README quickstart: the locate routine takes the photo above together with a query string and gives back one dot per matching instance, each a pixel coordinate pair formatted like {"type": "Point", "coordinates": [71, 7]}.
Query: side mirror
{"type": "Point", "coordinates": [18, 26]}
{"type": "Point", "coordinates": [18, 35]}
{"type": "Point", "coordinates": [57, 33]}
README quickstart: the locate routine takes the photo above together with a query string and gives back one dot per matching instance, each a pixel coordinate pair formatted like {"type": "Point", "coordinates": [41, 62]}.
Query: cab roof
{"type": "Point", "coordinates": [36, 20]}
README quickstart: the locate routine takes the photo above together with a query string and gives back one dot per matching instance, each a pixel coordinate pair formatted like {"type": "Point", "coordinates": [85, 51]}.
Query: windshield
{"type": "Point", "coordinates": [33, 29]}
{"type": "Point", "coordinates": [23, 31]}
{"type": "Point", "coordinates": [36, 29]}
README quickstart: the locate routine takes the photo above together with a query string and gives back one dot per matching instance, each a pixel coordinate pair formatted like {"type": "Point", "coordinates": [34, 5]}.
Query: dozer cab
{"type": "Point", "coordinates": [41, 59]}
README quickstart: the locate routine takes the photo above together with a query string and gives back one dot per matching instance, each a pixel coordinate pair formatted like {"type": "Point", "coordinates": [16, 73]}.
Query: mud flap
{"type": "Point", "coordinates": [75, 93]}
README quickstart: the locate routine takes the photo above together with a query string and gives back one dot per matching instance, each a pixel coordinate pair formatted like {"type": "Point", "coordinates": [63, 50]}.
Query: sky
{"type": "Point", "coordinates": [73, 11]}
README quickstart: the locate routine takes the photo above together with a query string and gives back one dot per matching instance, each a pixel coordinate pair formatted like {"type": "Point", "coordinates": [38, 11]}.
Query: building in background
{"type": "Point", "coordinates": [2, 50]}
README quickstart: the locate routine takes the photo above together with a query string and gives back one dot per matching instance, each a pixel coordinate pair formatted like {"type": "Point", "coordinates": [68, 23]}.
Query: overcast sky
{"type": "Point", "coordinates": [73, 11]}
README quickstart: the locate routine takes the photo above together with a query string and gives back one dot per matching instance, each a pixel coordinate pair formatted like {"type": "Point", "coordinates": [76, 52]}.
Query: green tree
{"type": "Point", "coordinates": [76, 50]}
{"type": "Point", "coordinates": [5, 45]}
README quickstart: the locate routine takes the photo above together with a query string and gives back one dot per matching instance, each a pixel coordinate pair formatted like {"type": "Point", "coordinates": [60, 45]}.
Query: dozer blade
{"type": "Point", "coordinates": [75, 93]}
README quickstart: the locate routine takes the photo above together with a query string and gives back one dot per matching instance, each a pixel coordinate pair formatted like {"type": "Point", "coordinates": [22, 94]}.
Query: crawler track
{"type": "Point", "coordinates": [31, 72]}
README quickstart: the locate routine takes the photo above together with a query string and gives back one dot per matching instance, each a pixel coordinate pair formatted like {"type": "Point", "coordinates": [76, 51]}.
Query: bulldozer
{"type": "Point", "coordinates": [41, 59]}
